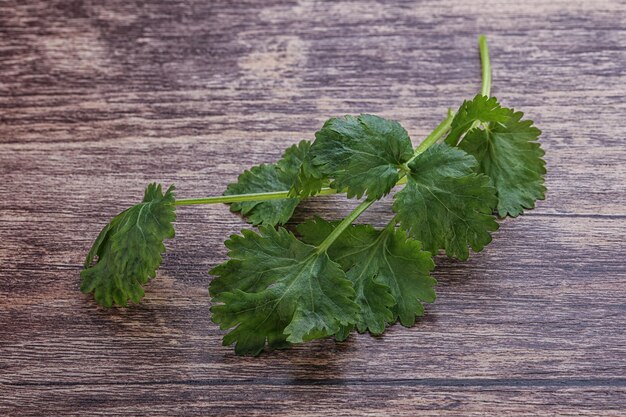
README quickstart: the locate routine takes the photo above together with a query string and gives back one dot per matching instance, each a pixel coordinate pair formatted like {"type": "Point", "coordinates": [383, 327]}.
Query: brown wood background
{"type": "Point", "coordinates": [97, 100]}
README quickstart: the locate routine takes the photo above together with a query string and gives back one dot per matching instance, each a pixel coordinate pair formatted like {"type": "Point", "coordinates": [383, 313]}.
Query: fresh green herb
{"type": "Point", "coordinates": [271, 177]}
{"type": "Point", "coordinates": [363, 155]}
{"type": "Point", "coordinates": [277, 289]}
{"type": "Point", "coordinates": [506, 150]}
{"type": "Point", "coordinates": [446, 204]}
{"type": "Point", "coordinates": [388, 270]}
{"type": "Point", "coordinates": [129, 249]}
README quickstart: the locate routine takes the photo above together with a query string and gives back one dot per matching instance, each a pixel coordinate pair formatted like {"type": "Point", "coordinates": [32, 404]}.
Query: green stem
{"type": "Point", "coordinates": [323, 247]}
{"type": "Point", "coordinates": [237, 198]}
{"type": "Point", "coordinates": [485, 65]}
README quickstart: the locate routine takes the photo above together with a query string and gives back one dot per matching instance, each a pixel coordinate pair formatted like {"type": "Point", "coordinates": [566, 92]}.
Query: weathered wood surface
{"type": "Point", "coordinates": [99, 98]}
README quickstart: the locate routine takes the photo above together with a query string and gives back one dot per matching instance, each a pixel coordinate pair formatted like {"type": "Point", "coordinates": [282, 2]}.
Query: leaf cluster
{"type": "Point", "coordinates": [278, 289]}
{"type": "Point", "coordinates": [328, 278]}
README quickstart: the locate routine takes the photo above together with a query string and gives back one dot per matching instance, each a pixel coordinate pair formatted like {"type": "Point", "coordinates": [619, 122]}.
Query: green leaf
{"type": "Point", "coordinates": [389, 272]}
{"type": "Point", "coordinates": [445, 204]}
{"type": "Point", "coordinates": [259, 179]}
{"type": "Point", "coordinates": [506, 150]}
{"type": "Point", "coordinates": [309, 180]}
{"type": "Point", "coordinates": [281, 176]}
{"type": "Point", "coordinates": [362, 154]}
{"type": "Point", "coordinates": [278, 289]}
{"type": "Point", "coordinates": [508, 153]}
{"type": "Point", "coordinates": [129, 249]}
{"type": "Point", "coordinates": [482, 109]}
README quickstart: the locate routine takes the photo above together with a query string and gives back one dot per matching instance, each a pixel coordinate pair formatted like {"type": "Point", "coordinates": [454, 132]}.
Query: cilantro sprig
{"type": "Point", "coordinates": [328, 278]}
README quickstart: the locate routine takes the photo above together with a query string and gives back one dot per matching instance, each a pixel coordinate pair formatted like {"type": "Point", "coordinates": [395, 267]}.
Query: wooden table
{"type": "Point", "coordinates": [98, 100]}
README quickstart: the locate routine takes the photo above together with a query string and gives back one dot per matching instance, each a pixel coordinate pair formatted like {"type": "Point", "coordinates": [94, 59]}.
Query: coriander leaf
{"type": "Point", "coordinates": [309, 180]}
{"type": "Point", "coordinates": [129, 249]}
{"type": "Point", "coordinates": [508, 153]}
{"type": "Point", "coordinates": [279, 289]}
{"type": "Point", "coordinates": [482, 109]}
{"type": "Point", "coordinates": [281, 176]}
{"type": "Point", "coordinates": [389, 272]}
{"type": "Point", "coordinates": [259, 179]}
{"type": "Point", "coordinates": [445, 204]}
{"type": "Point", "coordinates": [362, 154]}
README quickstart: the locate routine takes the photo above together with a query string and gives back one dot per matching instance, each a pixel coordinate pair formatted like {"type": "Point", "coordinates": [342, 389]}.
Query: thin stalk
{"type": "Point", "coordinates": [485, 66]}
{"type": "Point", "coordinates": [237, 198]}
{"type": "Point", "coordinates": [323, 247]}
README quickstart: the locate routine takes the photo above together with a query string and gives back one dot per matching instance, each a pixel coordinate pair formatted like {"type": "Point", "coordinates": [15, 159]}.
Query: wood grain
{"type": "Point", "coordinates": [98, 99]}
